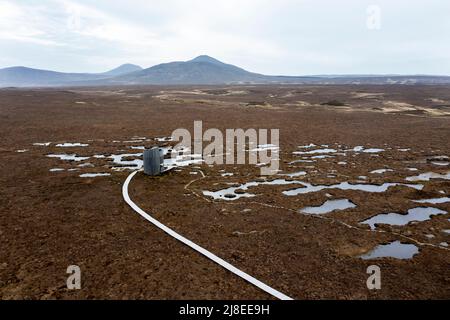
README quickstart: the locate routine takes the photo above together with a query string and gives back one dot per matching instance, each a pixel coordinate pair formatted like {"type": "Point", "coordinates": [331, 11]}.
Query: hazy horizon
{"type": "Point", "coordinates": [286, 37]}
{"type": "Point", "coordinates": [300, 75]}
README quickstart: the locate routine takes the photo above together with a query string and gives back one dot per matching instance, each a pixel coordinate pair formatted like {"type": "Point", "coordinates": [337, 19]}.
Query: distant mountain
{"type": "Point", "coordinates": [208, 59]}
{"type": "Point", "coordinates": [28, 77]}
{"type": "Point", "coordinates": [123, 69]}
{"type": "Point", "coordinates": [203, 70]}
{"type": "Point", "coordinates": [207, 70]}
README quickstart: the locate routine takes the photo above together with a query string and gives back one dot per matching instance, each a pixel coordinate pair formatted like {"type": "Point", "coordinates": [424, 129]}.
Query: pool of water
{"type": "Point", "coordinates": [295, 174]}
{"type": "Point", "coordinates": [373, 150]}
{"type": "Point", "coordinates": [398, 219]}
{"type": "Point", "coordinates": [164, 139]}
{"type": "Point", "coordinates": [86, 165]}
{"type": "Point", "coordinates": [442, 164]}
{"type": "Point", "coordinates": [381, 171]}
{"type": "Point", "coordinates": [308, 188]}
{"type": "Point", "coordinates": [133, 164]}
{"type": "Point", "coordinates": [72, 145]}
{"type": "Point", "coordinates": [317, 151]}
{"type": "Point", "coordinates": [329, 206]}
{"type": "Point", "coordinates": [395, 250]}
{"type": "Point", "coordinates": [93, 175]}
{"type": "Point", "coordinates": [358, 149]}
{"type": "Point", "coordinates": [231, 194]}
{"type": "Point", "coordinates": [227, 174]}
{"type": "Point", "coordinates": [68, 157]}
{"type": "Point", "coordinates": [309, 146]}
{"type": "Point", "coordinates": [42, 144]}
{"type": "Point", "coordinates": [429, 175]}
{"type": "Point", "coordinates": [434, 200]}
{"type": "Point", "coordinates": [301, 161]}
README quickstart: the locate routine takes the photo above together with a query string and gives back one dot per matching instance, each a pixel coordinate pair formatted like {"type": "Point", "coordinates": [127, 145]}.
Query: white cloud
{"type": "Point", "coordinates": [25, 24]}
{"type": "Point", "coordinates": [87, 21]}
{"type": "Point", "coordinates": [277, 37]}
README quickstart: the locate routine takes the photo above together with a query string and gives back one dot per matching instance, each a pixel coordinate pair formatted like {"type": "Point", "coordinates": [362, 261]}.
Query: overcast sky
{"type": "Point", "coordinates": [290, 37]}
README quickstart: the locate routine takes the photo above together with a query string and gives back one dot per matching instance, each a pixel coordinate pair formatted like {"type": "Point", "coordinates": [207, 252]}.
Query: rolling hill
{"type": "Point", "coordinates": [203, 70]}
{"type": "Point", "coordinates": [29, 77]}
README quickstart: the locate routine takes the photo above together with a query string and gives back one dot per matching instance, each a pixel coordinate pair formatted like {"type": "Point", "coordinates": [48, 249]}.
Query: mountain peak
{"type": "Point", "coordinates": [206, 58]}
{"type": "Point", "coordinates": [128, 65]}
{"type": "Point", "coordinates": [123, 69]}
